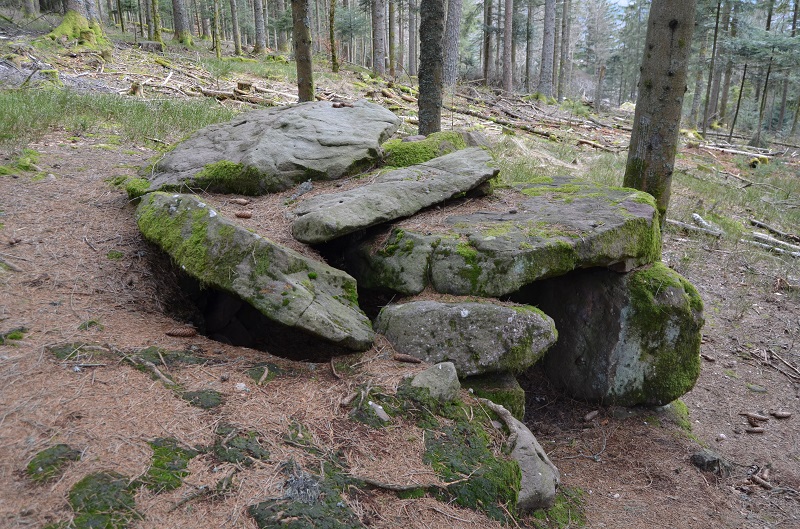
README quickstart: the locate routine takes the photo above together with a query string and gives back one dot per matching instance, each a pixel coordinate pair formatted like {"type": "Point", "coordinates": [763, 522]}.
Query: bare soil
{"type": "Point", "coordinates": [623, 468]}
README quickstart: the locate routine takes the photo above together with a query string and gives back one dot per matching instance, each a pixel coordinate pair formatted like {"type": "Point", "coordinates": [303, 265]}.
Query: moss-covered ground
{"type": "Point", "coordinates": [48, 463]}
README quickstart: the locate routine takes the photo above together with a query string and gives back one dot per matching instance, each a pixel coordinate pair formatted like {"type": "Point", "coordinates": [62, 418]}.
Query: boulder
{"type": "Point", "coordinates": [285, 286]}
{"type": "Point", "coordinates": [625, 339]}
{"type": "Point", "coordinates": [441, 381]}
{"type": "Point", "coordinates": [271, 150]}
{"type": "Point", "coordinates": [500, 388]}
{"type": "Point", "coordinates": [391, 196]}
{"type": "Point", "coordinates": [477, 337]}
{"type": "Point", "coordinates": [545, 230]}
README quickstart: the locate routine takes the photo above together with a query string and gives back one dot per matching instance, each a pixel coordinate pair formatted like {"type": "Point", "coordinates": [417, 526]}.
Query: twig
{"type": "Point", "coordinates": [790, 366]}
{"type": "Point", "coordinates": [14, 257]}
{"type": "Point", "coordinates": [776, 231]}
{"type": "Point", "coordinates": [6, 264]}
{"type": "Point", "coordinates": [152, 367]}
{"type": "Point", "coordinates": [90, 244]}
{"type": "Point", "coordinates": [333, 370]}
{"type": "Point", "coordinates": [762, 237]}
{"type": "Point", "coordinates": [263, 376]}
{"type": "Point", "coordinates": [596, 146]}
{"type": "Point", "coordinates": [771, 248]}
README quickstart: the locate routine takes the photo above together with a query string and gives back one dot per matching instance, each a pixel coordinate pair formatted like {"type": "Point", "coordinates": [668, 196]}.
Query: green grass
{"type": "Point", "coordinates": [30, 114]}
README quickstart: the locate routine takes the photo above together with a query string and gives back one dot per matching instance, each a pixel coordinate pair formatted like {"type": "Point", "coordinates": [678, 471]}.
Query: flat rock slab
{"type": "Point", "coordinates": [625, 339]}
{"type": "Point", "coordinates": [477, 337]}
{"type": "Point", "coordinates": [544, 230]}
{"type": "Point", "coordinates": [285, 286]}
{"type": "Point", "coordinates": [271, 150]}
{"type": "Point", "coordinates": [390, 196]}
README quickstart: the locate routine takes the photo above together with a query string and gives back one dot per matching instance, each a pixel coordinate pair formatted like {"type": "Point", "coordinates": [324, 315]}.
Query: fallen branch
{"type": "Point", "coordinates": [771, 248]}
{"type": "Point", "coordinates": [499, 121]}
{"type": "Point", "coordinates": [762, 237]}
{"type": "Point", "coordinates": [703, 223]}
{"type": "Point", "coordinates": [597, 146]}
{"type": "Point", "coordinates": [697, 229]}
{"type": "Point", "coordinates": [775, 231]}
{"type": "Point", "coordinates": [220, 95]}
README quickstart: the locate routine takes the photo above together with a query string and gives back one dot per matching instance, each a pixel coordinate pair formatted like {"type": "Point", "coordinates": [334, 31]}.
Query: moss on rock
{"type": "Point", "coordinates": [401, 153]}
{"type": "Point", "coordinates": [48, 463]}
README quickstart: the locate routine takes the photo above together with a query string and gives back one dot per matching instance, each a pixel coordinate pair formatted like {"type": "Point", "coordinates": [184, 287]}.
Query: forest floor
{"type": "Point", "coordinates": [77, 271]}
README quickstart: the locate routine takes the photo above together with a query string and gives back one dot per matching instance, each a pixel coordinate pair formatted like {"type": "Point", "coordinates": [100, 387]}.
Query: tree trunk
{"type": "Point", "coordinates": [785, 95]}
{"type": "Point", "coordinates": [529, 34]}
{"type": "Point", "coordinates": [283, 44]}
{"type": "Point", "coordinates": [29, 8]}
{"type": "Point", "coordinates": [711, 70]}
{"type": "Point", "coordinates": [261, 36]}
{"type": "Point", "coordinates": [726, 80]}
{"type": "Point", "coordinates": [598, 89]}
{"type": "Point", "coordinates": [508, 39]}
{"type": "Point", "coordinates": [452, 35]}
{"type": "Point", "coordinates": [487, 41]}
{"type": "Point", "coordinates": [694, 114]}
{"type": "Point", "coordinates": [413, 36]}
{"type": "Point", "coordinates": [156, 21]}
{"type": "Point", "coordinates": [180, 19]}
{"type": "Point", "coordinates": [379, 37]}
{"type": "Point", "coordinates": [392, 37]}
{"type": "Point", "coordinates": [301, 42]}
{"type": "Point", "coordinates": [332, 36]}
{"type": "Point", "coordinates": [217, 31]}
{"type": "Point", "coordinates": [237, 37]}
{"type": "Point", "coordinates": [545, 86]}
{"type": "Point", "coordinates": [148, 17]}
{"type": "Point", "coordinates": [431, 61]}
{"type": "Point", "coordinates": [563, 65]}
{"type": "Point", "coordinates": [738, 103]}
{"type": "Point", "coordinates": [654, 137]}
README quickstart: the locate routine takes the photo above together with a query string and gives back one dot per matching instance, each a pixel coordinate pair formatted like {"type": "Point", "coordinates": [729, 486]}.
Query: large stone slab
{"type": "Point", "coordinates": [477, 337]}
{"type": "Point", "coordinates": [624, 339]}
{"type": "Point", "coordinates": [545, 230]}
{"type": "Point", "coordinates": [390, 196]}
{"type": "Point", "coordinates": [271, 150]}
{"type": "Point", "coordinates": [285, 286]}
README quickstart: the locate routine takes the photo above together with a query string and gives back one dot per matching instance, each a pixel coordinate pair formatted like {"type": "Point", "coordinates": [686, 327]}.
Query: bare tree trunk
{"type": "Point", "coordinates": [564, 56]}
{"type": "Point", "coordinates": [237, 37]}
{"type": "Point", "coordinates": [738, 103]}
{"type": "Point", "coordinates": [726, 80]}
{"type": "Point", "coordinates": [301, 42]}
{"type": "Point", "coordinates": [452, 33]}
{"type": "Point", "coordinates": [217, 31]}
{"type": "Point", "coordinates": [379, 37]}
{"type": "Point", "coordinates": [545, 86]}
{"type": "Point", "coordinates": [332, 36]}
{"type": "Point", "coordinates": [530, 32]}
{"type": "Point", "coordinates": [508, 39]}
{"type": "Point", "coordinates": [654, 138]}
{"type": "Point", "coordinates": [785, 95]}
{"type": "Point", "coordinates": [431, 66]}
{"type": "Point", "coordinates": [156, 21]}
{"type": "Point", "coordinates": [392, 37]}
{"type": "Point", "coordinates": [400, 59]}
{"type": "Point", "coordinates": [711, 69]}
{"type": "Point", "coordinates": [283, 44]}
{"type": "Point", "coordinates": [413, 36]}
{"type": "Point", "coordinates": [261, 36]}
{"type": "Point", "coordinates": [598, 90]}
{"type": "Point", "coordinates": [694, 114]}
{"type": "Point", "coordinates": [30, 9]}
{"type": "Point", "coordinates": [487, 41]}
{"type": "Point", "coordinates": [180, 19]}
{"type": "Point", "coordinates": [148, 16]}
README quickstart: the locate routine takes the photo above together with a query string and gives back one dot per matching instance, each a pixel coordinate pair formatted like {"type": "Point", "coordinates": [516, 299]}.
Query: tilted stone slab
{"type": "Point", "coordinates": [271, 150]}
{"type": "Point", "coordinates": [547, 230]}
{"type": "Point", "coordinates": [285, 286]}
{"type": "Point", "coordinates": [391, 196]}
{"type": "Point", "coordinates": [477, 337]}
{"type": "Point", "coordinates": [625, 339]}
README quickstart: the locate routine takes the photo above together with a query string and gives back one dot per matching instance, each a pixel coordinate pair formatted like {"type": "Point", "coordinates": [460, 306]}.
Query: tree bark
{"type": "Point", "coordinates": [29, 8]}
{"type": "Point", "coordinates": [694, 114]}
{"type": "Point", "coordinates": [545, 86]}
{"type": "Point", "coordinates": [656, 122]}
{"type": "Point", "coordinates": [261, 36]}
{"type": "Point", "coordinates": [156, 21]}
{"type": "Point", "coordinates": [452, 35]}
{"type": "Point", "coordinates": [180, 19]}
{"type": "Point", "coordinates": [711, 70]}
{"type": "Point", "coordinates": [392, 37]}
{"type": "Point", "coordinates": [598, 89]}
{"type": "Point", "coordinates": [282, 41]}
{"type": "Point", "coordinates": [563, 64]}
{"type": "Point", "coordinates": [508, 39]}
{"type": "Point", "coordinates": [529, 34]}
{"type": "Point", "coordinates": [487, 41]}
{"type": "Point", "coordinates": [726, 79]}
{"type": "Point", "coordinates": [332, 36]}
{"type": "Point", "coordinates": [431, 61]}
{"type": "Point", "coordinates": [301, 42]}
{"type": "Point", "coordinates": [413, 36]}
{"type": "Point", "coordinates": [379, 37]}
{"type": "Point", "coordinates": [217, 31]}
{"type": "Point", "coordinates": [237, 37]}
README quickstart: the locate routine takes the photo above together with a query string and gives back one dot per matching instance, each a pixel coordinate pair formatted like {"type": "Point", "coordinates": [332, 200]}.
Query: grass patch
{"type": "Point", "coordinates": [29, 114]}
{"type": "Point", "coordinates": [13, 335]}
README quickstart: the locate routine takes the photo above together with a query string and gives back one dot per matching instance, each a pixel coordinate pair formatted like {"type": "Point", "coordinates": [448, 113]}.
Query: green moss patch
{"type": "Point", "coordinates": [25, 162]}
{"type": "Point", "coordinates": [77, 27]}
{"type": "Point", "coordinates": [67, 351]}
{"type": "Point", "coordinates": [567, 511]}
{"type": "Point", "coordinates": [229, 177]}
{"type": "Point", "coordinates": [7, 337]}
{"type": "Point", "coordinates": [103, 500]}
{"type": "Point", "coordinates": [401, 153]}
{"type": "Point", "coordinates": [136, 187]}
{"type": "Point", "coordinates": [49, 463]}
{"type": "Point", "coordinates": [309, 502]}
{"type": "Point", "coordinates": [272, 371]}
{"type": "Point", "coordinates": [168, 465]}
{"type": "Point", "coordinates": [500, 388]}
{"type": "Point", "coordinates": [205, 398]}
{"type": "Point", "coordinates": [239, 447]}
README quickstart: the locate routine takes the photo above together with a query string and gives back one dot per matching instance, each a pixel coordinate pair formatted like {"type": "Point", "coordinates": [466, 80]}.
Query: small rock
{"type": "Point", "coordinates": [721, 437]}
{"type": "Point", "coordinates": [441, 380]}
{"type": "Point", "coordinates": [590, 416]}
{"type": "Point", "coordinates": [710, 461]}
{"type": "Point", "coordinates": [780, 414]}
{"type": "Point", "coordinates": [755, 388]}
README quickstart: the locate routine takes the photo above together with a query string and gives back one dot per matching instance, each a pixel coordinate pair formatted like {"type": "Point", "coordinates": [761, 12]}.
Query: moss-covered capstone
{"type": "Point", "coordinates": [625, 339]}
{"type": "Point", "coordinates": [416, 150]}
{"type": "Point", "coordinates": [548, 230]}
{"type": "Point", "coordinates": [48, 463]}
{"type": "Point", "coordinates": [271, 150]}
{"type": "Point", "coordinates": [390, 196]}
{"type": "Point", "coordinates": [274, 279]}
{"type": "Point", "coordinates": [477, 337]}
